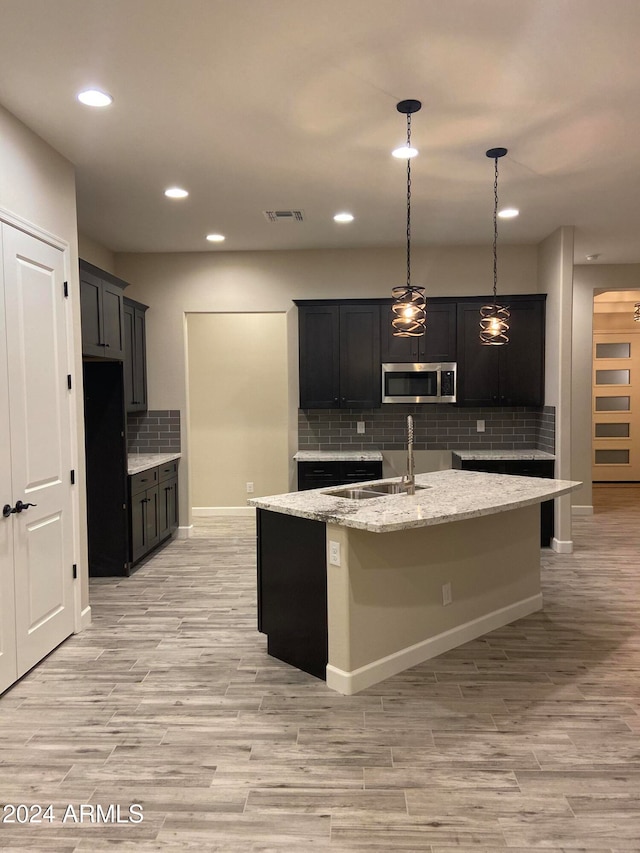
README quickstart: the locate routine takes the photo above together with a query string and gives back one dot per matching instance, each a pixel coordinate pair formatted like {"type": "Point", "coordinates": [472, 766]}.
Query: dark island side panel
{"type": "Point", "coordinates": [292, 590]}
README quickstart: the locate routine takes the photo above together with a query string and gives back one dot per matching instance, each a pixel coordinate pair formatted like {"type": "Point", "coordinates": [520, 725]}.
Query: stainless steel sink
{"type": "Point", "coordinates": [376, 490]}
{"type": "Point", "coordinates": [394, 488]}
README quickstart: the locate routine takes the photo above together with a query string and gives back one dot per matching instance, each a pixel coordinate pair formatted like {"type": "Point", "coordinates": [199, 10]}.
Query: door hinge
{"type": "Point", "coordinates": [75, 570]}
{"type": "Point", "coordinates": [65, 285]}
{"type": "Point", "coordinates": [73, 477]}
{"type": "Point", "coordinates": [69, 381]}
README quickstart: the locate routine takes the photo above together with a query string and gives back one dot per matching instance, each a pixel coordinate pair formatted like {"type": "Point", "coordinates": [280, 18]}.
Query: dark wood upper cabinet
{"type": "Point", "coordinates": [509, 375]}
{"type": "Point", "coordinates": [339, 354]}
{"type": "Point", "coordinates": [102, 313]}
{"type": "Point", "coordinates": [135, 359]}
{"type": "Point", "coordinates": [437, 344]}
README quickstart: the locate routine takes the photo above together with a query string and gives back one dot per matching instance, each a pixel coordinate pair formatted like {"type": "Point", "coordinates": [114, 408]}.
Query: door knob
{"type": "Point", "coordinates": [7, 509]}
{"type": "Point", "coordinates": [20, 506]}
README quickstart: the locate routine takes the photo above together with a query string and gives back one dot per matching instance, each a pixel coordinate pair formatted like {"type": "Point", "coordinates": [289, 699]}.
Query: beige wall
{"type": "Point", "coordinates": [37, 185]}
{"type": "Point", "coordinates": [238, 393]}
{"type": "Point", "coordinates": [555, 276]}
{"type": "Point", "coordinates": [174, 285]}
{"type": "Point", "coordinates": [96, 254]}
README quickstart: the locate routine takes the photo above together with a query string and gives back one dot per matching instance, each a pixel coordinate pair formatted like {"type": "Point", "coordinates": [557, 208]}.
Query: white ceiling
{"type": "Point", "coordinates": [270, 104]}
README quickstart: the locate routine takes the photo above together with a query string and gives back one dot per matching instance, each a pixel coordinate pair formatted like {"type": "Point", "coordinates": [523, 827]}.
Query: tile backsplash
{"type": "Point", "coordinates": [436, 427]}
{"type": "Point", "coordinates": [155, 431]}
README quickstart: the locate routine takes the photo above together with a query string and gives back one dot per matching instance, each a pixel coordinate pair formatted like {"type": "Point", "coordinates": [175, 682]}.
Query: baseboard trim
{"type": "Point", "coordinates": [581, 510]}
{"type": "Point", "coordinates": [185, 532]}
{"type": "Point", "coordinates": [209, 511]}
{"type": "Point", "coordinates": [562, 546]}
{"type": "Point", "coordinates": [359, 679]}
{"type": "Point", "coordinates": [85, 618]}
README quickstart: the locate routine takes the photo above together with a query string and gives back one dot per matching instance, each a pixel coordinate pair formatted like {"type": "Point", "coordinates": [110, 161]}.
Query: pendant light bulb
{"type": "Point", "coordinates": [409, 303]}
{"type": "Point", "coordinates": [494, 318]}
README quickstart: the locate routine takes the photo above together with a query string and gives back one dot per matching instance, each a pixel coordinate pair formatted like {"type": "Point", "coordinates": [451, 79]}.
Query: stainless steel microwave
{"type": "Point", "coordinates": [419, 383]}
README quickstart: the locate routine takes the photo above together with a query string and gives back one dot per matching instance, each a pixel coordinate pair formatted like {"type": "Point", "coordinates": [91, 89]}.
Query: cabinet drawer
{"type": "Point", "coordinates": [143, 480]}
{"type": "Point", "coordinates": [168, 470]}
{"type": "Point", "coordinates": [355, 472]}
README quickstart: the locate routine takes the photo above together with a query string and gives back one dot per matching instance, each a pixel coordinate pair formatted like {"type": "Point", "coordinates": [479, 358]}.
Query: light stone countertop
{"type": "Point", "coordinates": [137, 462]}
{"type": "Point", "coordinates": [453, 495]}
{"type": "Point", "coordinates": [338, 456]}
{"type": "Point", "coordinates": [504, 454]}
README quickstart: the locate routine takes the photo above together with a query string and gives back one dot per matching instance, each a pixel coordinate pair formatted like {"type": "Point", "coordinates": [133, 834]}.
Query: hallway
{"type": "Point", "coordinates": [525, 739]}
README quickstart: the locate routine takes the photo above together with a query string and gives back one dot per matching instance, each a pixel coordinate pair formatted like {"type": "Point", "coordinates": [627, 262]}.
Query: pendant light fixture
{"type": "Point", "coordinates": [494, 318]}
{"type": "Point", "coordinates": [409, 304]}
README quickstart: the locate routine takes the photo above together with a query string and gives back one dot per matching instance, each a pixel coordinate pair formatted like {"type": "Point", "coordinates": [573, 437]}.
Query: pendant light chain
{"type": "Point", "coordinates": [408, 202]}
{"type": "Point", "coordinates": [494, 319]}
{"type": "Point", "coordinates": [408, 302]}
{"type": "Point", "coordinates": [495, 234]}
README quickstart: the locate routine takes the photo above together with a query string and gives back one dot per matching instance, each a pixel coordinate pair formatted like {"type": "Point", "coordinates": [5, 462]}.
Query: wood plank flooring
{"type": "Point", "coordinates": [526, 739]}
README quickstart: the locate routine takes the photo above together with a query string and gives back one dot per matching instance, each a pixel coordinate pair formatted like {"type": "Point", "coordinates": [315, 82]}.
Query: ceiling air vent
{"type": "Point", "coordinates": [284, 215]}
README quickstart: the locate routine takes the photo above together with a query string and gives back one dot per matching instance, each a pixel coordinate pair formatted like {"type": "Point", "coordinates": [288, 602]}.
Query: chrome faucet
{"type": "Point", "coordinates": [409, 479]}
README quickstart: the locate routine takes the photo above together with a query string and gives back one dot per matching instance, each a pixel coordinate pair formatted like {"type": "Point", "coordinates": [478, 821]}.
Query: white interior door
{"type": "Point", "coordinates": [40, 437]}
{"type": "Point", "coordinates": [8, 659]}
{"type": "Point", "coordinates": [616, 406]}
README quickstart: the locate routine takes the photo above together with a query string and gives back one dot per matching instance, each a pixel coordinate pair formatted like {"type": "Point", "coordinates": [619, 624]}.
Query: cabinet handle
{"type": "Point", "coordinates": [20, 506]}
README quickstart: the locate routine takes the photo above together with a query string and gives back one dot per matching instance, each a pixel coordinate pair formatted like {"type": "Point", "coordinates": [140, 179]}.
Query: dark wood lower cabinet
{"type": "Point", "coordinates": [316, 475]}
{"type": "Point", "coordinates": [153, 508]}
{"type": "Point", "coordinates": [292, 590]}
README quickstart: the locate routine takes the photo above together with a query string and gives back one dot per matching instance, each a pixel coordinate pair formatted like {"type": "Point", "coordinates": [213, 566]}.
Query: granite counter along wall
{"type": "Point", "coordinates": [155, 431]}
{"type": "Point", "coordinates": [436, 427]}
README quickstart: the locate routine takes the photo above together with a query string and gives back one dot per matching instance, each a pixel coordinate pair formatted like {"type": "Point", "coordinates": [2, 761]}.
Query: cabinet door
{"type": "Point", "coordinates": [360, 372]}
{"type": "Point", "coordinates": [394, 350]}
{"type": "Point", "coordinates": [138, 526]}
{"type": "Point", "coordinates": [129, 325]}
{"type": "Point", "coordinates": [319, 356]}
{"type": "Point", "coordinates": [113, 336]}
{"type": "Point", "coordinates": [439, 341]}
{"type": "Point", "coordinates": [135, 360]}
{"type": "Point", "coordinates": [478, 365]}
{"type": "Point", "coordinates": [151, 517]}
{"type": "Point", "coordinates": [91, 311]}
{"type": "Point", "coordinates": [139, 361]}
{"type": "Point", "coordinates": [522, 359]}
{"type": "Point", "coordinates": [167, 508]}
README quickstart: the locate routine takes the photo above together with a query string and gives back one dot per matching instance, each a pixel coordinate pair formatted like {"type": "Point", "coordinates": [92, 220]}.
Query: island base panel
{"type": "Point", "coordinates": [292, 590]}
{"type": "Point", "coordinates": [385, 605]}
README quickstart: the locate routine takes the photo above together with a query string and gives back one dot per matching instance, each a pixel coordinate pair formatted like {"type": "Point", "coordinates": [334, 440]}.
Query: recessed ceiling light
{"type": "Point", "coordinates": [176, 192]}
{"type": "Point", "coordinates": [405, 152]}
{"type": "Point", "coordinates": [592, 257]}
{"type": "Point", "coordinates": [94, 98]}
{"type": "Point", "coordinates": [343, 217]}
{"type": "Point", "coordinates": [508, 213]}
{"type": "Point", "coordinates": [215, 238]}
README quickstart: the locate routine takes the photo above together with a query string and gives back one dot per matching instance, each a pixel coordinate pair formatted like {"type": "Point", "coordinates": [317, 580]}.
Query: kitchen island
{"type": "Point", "coordinates": [355, 591]}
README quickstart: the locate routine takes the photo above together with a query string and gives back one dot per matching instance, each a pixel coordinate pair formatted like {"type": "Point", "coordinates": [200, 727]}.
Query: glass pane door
{"type": "Point", "coordinates": [616, 406]}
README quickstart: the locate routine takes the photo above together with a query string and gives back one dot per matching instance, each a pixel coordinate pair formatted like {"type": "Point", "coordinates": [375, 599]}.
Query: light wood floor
{"type": "Point", "coordinates": [526, 739]}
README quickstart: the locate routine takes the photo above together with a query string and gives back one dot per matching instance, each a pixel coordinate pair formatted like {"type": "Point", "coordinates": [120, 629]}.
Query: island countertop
{"type": "Point", "coordinates": [451, 495]}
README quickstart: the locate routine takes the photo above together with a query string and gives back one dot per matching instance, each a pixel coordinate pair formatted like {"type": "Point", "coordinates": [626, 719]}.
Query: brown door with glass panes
{"type": "Point", "coordinates": [616, 407]}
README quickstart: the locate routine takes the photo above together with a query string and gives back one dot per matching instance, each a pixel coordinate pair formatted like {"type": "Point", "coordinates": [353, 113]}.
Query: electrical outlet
{"type": "Point", "coordinates": [360, 427]}
{"type": "Point", "coordinates": [479, 426]}
{"type": "Point", "coordinates": [249, 488]}
{"type": "Point", "coordinates": [334, 553]}
{"type": "Point", "coordinates": [447, 597]}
